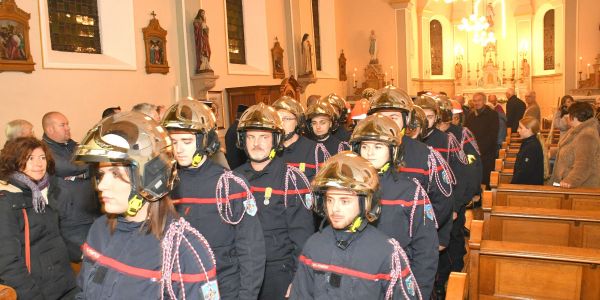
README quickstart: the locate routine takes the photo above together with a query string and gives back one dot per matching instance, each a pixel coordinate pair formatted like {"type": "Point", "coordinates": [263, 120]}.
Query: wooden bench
{"type": "Point", "coordinates": [457, 286]}
{"type": "Point", "coordinates": [511, 270]}
{"type": "Point", "coordinates": [504, 176]}
{"type": "Point", "coordinates": [544, 196]}
{"type": "Point", "coordinates": [572, 228]}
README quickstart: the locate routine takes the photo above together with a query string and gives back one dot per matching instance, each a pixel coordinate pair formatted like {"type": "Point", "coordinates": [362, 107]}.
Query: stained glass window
{"type": "Point", "coordinates": [549, 40]}
{"type": "Point", "coordinates": [315, 11]}
{"type": "Point", "coordinates": [437, 50]}
{"type": "Point", "coordinates": [235, 32]}
{"type": "Point", "coordinates": [74, 26]}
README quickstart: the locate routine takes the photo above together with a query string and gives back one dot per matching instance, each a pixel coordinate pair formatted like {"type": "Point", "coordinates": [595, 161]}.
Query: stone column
{"type": "Point", "coordinates": [403, 10]}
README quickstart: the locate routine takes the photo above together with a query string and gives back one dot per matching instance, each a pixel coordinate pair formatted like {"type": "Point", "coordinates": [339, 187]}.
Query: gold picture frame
{"type": "Point", "coordinates": [15, 53]}
{"type": "Point", "coordinates": [155, 41]}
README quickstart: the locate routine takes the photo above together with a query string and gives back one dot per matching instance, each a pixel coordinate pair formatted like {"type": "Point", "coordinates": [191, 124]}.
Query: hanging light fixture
{"type": "Point", "coordinates": [478, 25]}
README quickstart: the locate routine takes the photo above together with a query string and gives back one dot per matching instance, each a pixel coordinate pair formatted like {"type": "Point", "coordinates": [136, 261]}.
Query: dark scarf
{"type": "Point", "coordinates": [38, 200]}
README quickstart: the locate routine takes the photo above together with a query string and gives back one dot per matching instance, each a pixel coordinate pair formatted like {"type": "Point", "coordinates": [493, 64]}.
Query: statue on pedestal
{"type": "Point", "coordinates": [342, 66]}
{"type": "Point", "coordinates": [526, 68]}
{"type": "Point", "coordinates": [458, 69]}
{"type": "Point", "coordinates": [373, 48]}
{"type": "Point", "coordinates": [201, 42]}
{"type": "Point", "coordinates": [307, 59]}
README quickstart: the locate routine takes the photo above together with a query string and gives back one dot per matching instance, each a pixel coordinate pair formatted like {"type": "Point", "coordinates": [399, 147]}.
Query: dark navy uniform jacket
{"type": "Point", "coordinates": [333, 145]}
{"type": "Point", "coordinates": [529, 166]}
{"type": "Point", "coordinates": [360, 271]}
{"type": "Point", "coordinates": [415, 164]}
{"type": "Point", "coordinates": [407, 216]}
{"type": "Point", "coordinates": [469, 172]}
{"type": "Point", "coordinates": [342, 133]}
{"type": "Point", "coordinates": [287, 223]}
{"type": "Point", "coordinates": [126, 264]}
{"type": "Point", "coordinates": [239, 249]}
{"type": "Point", "coordinates": [301, 154]}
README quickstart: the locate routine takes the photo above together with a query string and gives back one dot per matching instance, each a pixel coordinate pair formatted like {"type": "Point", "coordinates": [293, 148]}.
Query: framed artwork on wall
{"type": "Point", "coordinates": [155, 41]}
{"type": "Point", "coordinates": [216, 100]}
{"type": "Point", "coordinates": [15, 54]}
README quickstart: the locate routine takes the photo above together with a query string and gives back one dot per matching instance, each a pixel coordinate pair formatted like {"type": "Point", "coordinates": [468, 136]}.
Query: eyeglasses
{"type": "Point", "coordinates": [288, 119]}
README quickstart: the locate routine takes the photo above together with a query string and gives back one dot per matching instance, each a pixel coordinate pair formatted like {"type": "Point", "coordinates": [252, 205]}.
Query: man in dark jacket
{"type": "Point", "coordinates": [79, 206]}
{"type": "Point", "coordinates": [226, 217]}
{"type": "Point", "coordinates": [282, 194]}
{"type": "Point", "coordinates": [515, 108]}
{"type": "Point", "coordinates": [483, 122]}
{"type": "Point", "coordinates": [235, 156]}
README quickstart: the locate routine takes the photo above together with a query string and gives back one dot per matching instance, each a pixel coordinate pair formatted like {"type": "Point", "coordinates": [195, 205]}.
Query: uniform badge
{"type": "Point", "coordinates": [409, 282]}
{"type": "Point", "coordinates": [268, 192]}
{"type": "Point", "coordinates": [309, 200]}
{"type": "Point", "coordinates": [250, 206]}
{"type": "Point", "coordinates": [526, 159]}
{"type": "Point", "coordinates": [302, 167]}
{"type": "Point", "coordinates": [210, 291]}
{"type": "Point", "coordinates": [429, 211]}
{"type": "Point", "coordinates": [445, 176]}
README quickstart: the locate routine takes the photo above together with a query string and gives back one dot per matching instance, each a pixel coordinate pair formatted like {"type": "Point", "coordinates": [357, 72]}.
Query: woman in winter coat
{"type": "Point", "coordinates": [531, 166]}
{"type": "Point", "coordinates": [578, 158]}
{"type": "Point", "coordinates": [33, 255]}
{"type": "Point", "coordinates": [139, 249]}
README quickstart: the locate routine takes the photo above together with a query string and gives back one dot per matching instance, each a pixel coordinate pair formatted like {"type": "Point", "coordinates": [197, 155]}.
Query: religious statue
{"type": "Point", "coordinates": [342, 62]}
{"type": "Point", "coordinates": [373, 48]}
{"type": "Point", "coordinates": [526, 68]}
{"type": "Point", "coordinates": [489, 14]}
{"type": "Point", "coordinates": [201, 42]}
{"type": "Point", "coordinates": [307, 53]}
{"type": "Point", "coordinates": [458, 69]}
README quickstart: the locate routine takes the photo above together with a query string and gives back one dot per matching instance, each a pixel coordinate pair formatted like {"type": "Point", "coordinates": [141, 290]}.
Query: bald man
{"type": "Point", "coordinates": [515, 108]}
{"type": "Point", "coordinates": [77, 205]}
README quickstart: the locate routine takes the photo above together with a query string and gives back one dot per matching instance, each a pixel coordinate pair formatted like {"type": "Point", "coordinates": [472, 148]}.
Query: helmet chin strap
{"type": "Point", "coordinates": [135, 203]}
{"type": "Point", "coordinates": [196, 160]}
{"type": "Point", "coordinates": [384, 168]}
{"type": "Point", "coordinates": [288, 136]}
{"type": "Point", "coordinates": [268, 157]}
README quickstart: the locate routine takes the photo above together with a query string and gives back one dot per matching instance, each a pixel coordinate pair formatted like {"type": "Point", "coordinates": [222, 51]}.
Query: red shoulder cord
{"type": "Point", "coordinates": [171, 244]}
{"type": "Point", "coordinates": [433, 160]}
{"type": "Point", "coordinates": [326, 155]}
{"type": "Point", "coordinates": [469, 137]}
{"type": "Point", "coordinates": [222, 192]}
{"type": "Point", "coordinates": [290, 175]}
{"type": "Point", "coordinates": [396, 273]}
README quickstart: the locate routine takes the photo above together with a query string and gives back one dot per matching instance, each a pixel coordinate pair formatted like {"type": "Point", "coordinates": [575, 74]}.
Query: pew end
{"type": "Point", "coordinates": [457, 286]}
{"type": "Point", "coordinates": [498, 165]}
{"type": "Point", "coordinates": [494, 179]}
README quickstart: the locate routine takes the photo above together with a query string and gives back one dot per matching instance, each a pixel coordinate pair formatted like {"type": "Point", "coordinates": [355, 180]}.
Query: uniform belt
{"type": "Point", "coordinates": [82, 176]}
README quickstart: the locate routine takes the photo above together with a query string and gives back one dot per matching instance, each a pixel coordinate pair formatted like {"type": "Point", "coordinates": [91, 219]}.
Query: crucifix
{"type": "Point", "coordinates": [153, 15]}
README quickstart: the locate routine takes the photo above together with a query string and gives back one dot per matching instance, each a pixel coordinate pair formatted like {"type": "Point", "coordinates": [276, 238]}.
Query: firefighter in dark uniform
{"type": "Point", "coordinates": [298, 151]}
{"type": "Point", "coordinates": [339, 126]}
{"type": "Point", "coordinates": [418, 160]}
{"type": "Point", "coordinates": [139, 249]}
{"type": "Point", "coordinates": [406, 212]}
{"type": "Point", "coordinates": [283, 197]}
{"type": "Point", "coordinates": [320, 121]}
{"type": "Point", "coordinates": [351, 259]}
{"type": "Point", "coordinates": [226, 217]}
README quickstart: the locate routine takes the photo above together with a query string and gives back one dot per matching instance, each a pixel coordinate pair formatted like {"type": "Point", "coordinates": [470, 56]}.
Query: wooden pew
{"type": "Point", "coordinates": [511, 270]}
{"type": "Point", "coordinates": [458, 287]}
{"type": "Point", "coordinates": [504, 176]}
{"type": "Point", "coordinates": [572, 228]}
{"type": "Point", "coordinates": [542, 196]}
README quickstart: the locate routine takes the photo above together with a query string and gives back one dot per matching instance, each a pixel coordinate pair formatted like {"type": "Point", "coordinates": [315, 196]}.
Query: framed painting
{"type": "Point", "coordinates": [15, 54]}
{"type": "Point", "coordinates": [216, 99]}
{"type": "Point", "coordinates": [155, 41]}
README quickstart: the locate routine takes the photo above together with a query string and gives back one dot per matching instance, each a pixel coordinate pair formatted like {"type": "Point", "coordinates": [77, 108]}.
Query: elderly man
{"type": "Point", "coordinates": [493, 103]}
{"type": "Point", "coordinates": [78, 203]}
{"type": "Point", "coordinates": [533, 109]}
{"type": "Point", "coordinates": [493, 100]}
{"type": "Point", "coordinates": [18, 128]}
{"type": "Point", "coordinates": [484, 123]}
{"type": "Point", "coordinates": [515, 108]}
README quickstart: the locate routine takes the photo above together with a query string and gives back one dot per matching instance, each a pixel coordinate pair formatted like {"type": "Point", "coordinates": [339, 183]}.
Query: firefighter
{"type": "Point", "coordinates": [351, 259]}
{"type": "Point", "coordinates": [406, 212]}
{"type": "Point", "coordinates": [320, 120]}
{"type": "Point", "coordinates": [418, 160]}
{"type": "Point", "coordinates": [339, 126]}
{"type": "Point", "coordinates": [298, 151]}
{"type": "Point", "coordinates": [225, 216]}
{"type": "Point", "coordinates": [139, 249]}
{"type": "Point", "coordinates": [282, 194]}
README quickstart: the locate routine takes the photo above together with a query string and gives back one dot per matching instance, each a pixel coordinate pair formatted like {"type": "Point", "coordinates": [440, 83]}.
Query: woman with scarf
{"type": "Point", "coordinates": [33, 255]}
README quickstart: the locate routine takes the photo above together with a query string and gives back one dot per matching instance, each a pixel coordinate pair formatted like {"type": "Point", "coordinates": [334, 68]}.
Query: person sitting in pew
{"type": "Point", "coordinates": [531, 166]}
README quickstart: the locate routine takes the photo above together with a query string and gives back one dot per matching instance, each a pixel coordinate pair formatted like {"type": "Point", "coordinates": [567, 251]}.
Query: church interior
{"type": "Point", "coordinates": [80, 57]}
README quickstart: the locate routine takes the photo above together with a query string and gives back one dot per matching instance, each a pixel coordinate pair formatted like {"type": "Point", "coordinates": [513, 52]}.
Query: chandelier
{"type": "Point", "coordinates": [479, 26]}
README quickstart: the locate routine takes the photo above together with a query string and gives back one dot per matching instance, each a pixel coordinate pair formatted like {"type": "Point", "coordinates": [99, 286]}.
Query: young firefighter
{"type": "Point", "coordinates": [339, 126]}
{"type": "Point", "coordinates": [283, 197]}
{"type": "Point", "coordinates": [320, 118]}
{"type": "Point", "coordinates": [225, 216]}
{"type": "Point", "coordinates": [138, 249]}
{"type": "Point", "coordinates": [406, 213]}
{"type": "Point", "coordinates": [418, 160]}
{"type": "Point", "coordinates": [351, 259]}
{"type": "Point", "coordinates": [298, 151]}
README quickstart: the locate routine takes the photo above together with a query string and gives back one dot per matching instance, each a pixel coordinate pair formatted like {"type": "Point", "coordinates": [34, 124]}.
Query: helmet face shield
{"type": "Point", "coordinates": [261, 117]}
{"type": "Point", "coordinates": [190, 115]}
{"type": "Point", "coordinates": [133, 139]}
{"type": "Point", "coordinates": [390, 99]}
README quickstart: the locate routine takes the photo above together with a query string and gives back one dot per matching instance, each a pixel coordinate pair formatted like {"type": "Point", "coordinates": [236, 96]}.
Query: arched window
{"type": "Point", "coordinates": [436, 46]}
{"type": "Point", "coordinates": [549, 40]}
{"type": "Point", "coordinates": [235, 32]}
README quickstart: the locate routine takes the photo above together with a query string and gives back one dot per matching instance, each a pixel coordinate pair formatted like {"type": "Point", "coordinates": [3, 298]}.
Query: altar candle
{"type": "Point", "coordinates": [588, 70]}
{"type": "Point", "coordinates": [580, 62]}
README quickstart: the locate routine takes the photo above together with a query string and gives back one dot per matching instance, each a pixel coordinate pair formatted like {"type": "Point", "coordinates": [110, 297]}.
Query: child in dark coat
{"type": "Point", "coordinates": [531, 166]}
